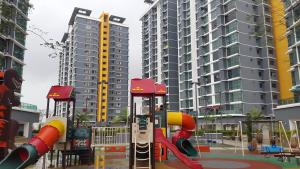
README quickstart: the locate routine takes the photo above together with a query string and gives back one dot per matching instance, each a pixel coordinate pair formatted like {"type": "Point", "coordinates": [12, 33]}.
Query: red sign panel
{"type": "Point", "coordinates": [61, 93]}
{"type": "Point", "coordinates": [142, 87]}
{"type": "Point", "coordinates": [160, 89]}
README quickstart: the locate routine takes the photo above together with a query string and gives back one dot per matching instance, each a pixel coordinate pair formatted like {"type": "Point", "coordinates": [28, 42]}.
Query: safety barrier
{"type": "Point", "coordinates": [109, 136]}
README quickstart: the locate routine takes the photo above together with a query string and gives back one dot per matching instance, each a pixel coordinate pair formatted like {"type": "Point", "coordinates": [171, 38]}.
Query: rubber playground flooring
{"type": "Point", "coordinates": [214, 160]}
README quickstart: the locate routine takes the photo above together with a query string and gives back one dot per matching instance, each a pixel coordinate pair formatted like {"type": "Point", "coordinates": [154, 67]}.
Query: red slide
{"type": "Point", "coordinates": [188, 162]}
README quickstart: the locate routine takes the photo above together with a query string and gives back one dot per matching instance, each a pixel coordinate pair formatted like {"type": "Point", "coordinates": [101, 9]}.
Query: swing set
{"type": "Point", "coordinates": [270, 135]}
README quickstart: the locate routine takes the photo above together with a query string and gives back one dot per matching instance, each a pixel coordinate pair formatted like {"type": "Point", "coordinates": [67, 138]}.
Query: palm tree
{"type": "Point", "coordinates": [122, 117]}
{"type": "Point", "coordinates": [253, 115]}
{"type": "Point", "coordinates": [81, 118]}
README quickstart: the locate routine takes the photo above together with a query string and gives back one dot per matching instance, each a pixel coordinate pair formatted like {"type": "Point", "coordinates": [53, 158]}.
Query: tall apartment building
{"type": "Point", "coordinates": [289, 107]}
{"type": "Point", "coordinates": [95, 62]}
{"type": "Point", "coordinates": [236, 56]}
{"type": "Point", "coordinates": [293, 35]}
{"type": "Point", "coordinates": [13, 27]}
{"type": "Point", "coordinates": [160, 48]}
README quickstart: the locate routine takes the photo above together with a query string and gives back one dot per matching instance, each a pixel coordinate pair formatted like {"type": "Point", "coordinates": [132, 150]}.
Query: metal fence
{"type": "Point", "coordinates": [107, 136]}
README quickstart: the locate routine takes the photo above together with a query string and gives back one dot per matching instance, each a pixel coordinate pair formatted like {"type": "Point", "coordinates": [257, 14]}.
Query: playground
{"type": "Point", "coordinates": [153, 137]}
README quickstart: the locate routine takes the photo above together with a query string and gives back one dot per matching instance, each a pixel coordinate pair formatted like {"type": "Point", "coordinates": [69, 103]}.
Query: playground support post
{"type": "Point", "coordinates": [284, 132]}
{"type": "Point", "coordinates": [297, 132]}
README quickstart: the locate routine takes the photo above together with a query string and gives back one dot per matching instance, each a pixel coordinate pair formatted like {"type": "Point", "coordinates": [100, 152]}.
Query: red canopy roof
{"type": "Point", "coordinates": [61, 93]}
{"type": "Point", "coordinates": [142, 87]}
{"type": "Point", "coordinates": [160, 89]}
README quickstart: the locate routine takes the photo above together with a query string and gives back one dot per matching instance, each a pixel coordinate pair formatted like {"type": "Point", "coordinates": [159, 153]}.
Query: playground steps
{"type": "Point", "coordinates": [142, 155]}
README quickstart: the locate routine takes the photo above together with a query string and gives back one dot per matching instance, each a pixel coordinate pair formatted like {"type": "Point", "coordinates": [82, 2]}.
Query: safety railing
{"type": "Point", "coordinates": [106, 136]}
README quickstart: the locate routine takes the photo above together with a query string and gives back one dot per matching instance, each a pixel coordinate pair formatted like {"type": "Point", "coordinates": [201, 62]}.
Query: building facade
{"type": "Point", "coordinates": [226, 55]}
{"type": "Point", "coordinates": [289, 108]}
{"type": "Point", "coordinates": [160, 48]}
{"type": "Point", "coordinates": [13, 27]}
{"type": "Point", "coordinates": [292, 8]}
{"type": "Point", "coordinates": [236, 57]}
{"type": "Point", "coordinates": [86, 57]}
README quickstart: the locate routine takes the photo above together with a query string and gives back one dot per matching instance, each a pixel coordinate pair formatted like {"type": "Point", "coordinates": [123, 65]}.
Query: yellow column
{"type": "Point", "coordinates": [281, 48]}
{"type": "Point", "coordinates": [103, 67]}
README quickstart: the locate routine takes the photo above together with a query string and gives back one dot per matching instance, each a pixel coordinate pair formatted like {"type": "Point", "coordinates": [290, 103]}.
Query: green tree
{"type": "Point", "coordinates": [122, 117]}
{"type": "Point", "coordinates": [253, 115]}
{"type": "Point", "coordinates": [81, 118]}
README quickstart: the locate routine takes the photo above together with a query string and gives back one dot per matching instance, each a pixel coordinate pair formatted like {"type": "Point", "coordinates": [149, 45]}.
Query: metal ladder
{"type": "Point", "coordinates": [143, 146]}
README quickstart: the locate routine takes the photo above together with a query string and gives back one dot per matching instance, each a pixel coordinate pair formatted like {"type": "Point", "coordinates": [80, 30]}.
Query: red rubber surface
{"type": "Point", "coordinates": [252, 164]}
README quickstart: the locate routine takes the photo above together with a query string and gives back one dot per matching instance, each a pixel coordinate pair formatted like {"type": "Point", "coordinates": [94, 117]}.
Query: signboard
{"type": "Point", "coordinates": [81, 138]}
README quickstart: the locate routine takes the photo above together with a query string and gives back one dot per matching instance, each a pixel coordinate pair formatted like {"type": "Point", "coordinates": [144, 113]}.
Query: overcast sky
{"type": "Point", "coordinates": [52, 16]}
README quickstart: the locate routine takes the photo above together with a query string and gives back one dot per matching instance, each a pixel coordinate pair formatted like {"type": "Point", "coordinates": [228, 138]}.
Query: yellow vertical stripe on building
{"type": "Point", "coordinates": [281, 49]}
{"type": "Point", "coordinates": [103, 67]}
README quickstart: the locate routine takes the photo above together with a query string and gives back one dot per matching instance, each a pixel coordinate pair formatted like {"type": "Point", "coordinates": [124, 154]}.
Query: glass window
{"type": "Point", "coordinates": [231, 38]}
{"type": "Point", "coordinates": [293, 58]}
{"type": "Point", "coordinates": [216, 44]}
{"type": "Point", "coordinates": [297, 32]}
{"type": "Point", "coordinates": [233, 61]}
{"type": "Point", "coordinates": [233, 73]}
{"type": "Point", "coordinates": [297, 13]}
{"type": "Point", "coordinates": [235, 96]}
{"type": "Point", "coordinates": [18, 52]}
{"type": "Point", "coordinates": [216, 66]}
{"type": "Point", "coordinates": [218, 87]}
{"type": "Point", "coordinates": [2, 63]}
{"type": "Point", "coordinates": [231, 16]}
{"type": "Point", "coordinates": [18, 67]}
{"type": "Point", "coordinates": [291, 39]}
{"type": "Point", "coordinates": [232, 50]}
{"type": "Point", "coordinates": [235, 84]}
{"type": "Point", "coordinates": [231, 27]}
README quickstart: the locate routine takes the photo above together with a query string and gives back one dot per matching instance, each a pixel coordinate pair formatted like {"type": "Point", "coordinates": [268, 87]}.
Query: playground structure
{"type": "Point", "coordinates": [10, 82]}
{"type": "Point", "coordinates": [148, 143]}
{"type": "Point", "coordinates": [58, 134]}
{"type": "Point", "coordinates": [28, 154]}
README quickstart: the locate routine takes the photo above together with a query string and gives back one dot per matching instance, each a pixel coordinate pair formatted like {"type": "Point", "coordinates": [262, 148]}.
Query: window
{"type": "Point", "coordinates": [232, 50]}
{"type": "Point", "coordinates": [235, 96]}
{"type": "Point", "coordinates": [297, 13]}
{"type": "Point", "coordinates": [231, 38]}
{"type": "Point", "coordinates": [297, 32]}
{"type": "Point", "coordinates": [233, 61]}
{"type": "Point", "coordinates": [231, 27]}
{"type": "Point", "coordinates": [216, 44]}
{"type": "Point", "coordinates": [233, 73]}
{"type": "Point", "coordinates": [231, 16]}
{"type": "Point", "coordinates": [233, 85]}
{"type": "Point", "coordinates": [216, 66]}
{"type": "Point", "coordinates": [216, 77]}
{"type": "Point", "coordinates": [218, 87]}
